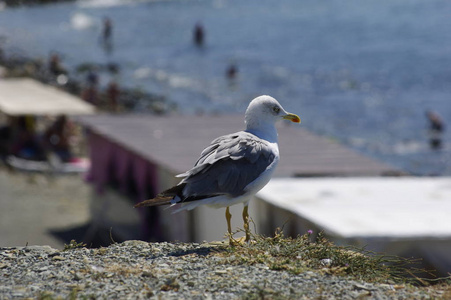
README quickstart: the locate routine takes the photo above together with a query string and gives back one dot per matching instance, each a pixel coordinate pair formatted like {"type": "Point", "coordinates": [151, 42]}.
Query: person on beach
{"type": "Point", "coordinates": [55, 66]}
{"type": "Point", "coordinates": [112, 94]}
{"type": "Point", "coordinates": [24, 140]}
{"type": "Point", "coordinates": [436, 129]}
{"type": "Point", "coordinates": [90, 94]}
{"type": "Point", "coordinates": [57, 138]}
{"type": "Point", "coordinates": [231, 75]}
{"type": "Point", "coordinates": [231, 72]}
{"type": "Point", "coordinates": [107, 35]}
{"type": "Point", "coordinates": [5, 139]}
{"type": "Point", "coordinates": [107, 29]}
{"type": "Point", "coordinates": [199, 35]}
{"type": "Point", "coordinates": [92, 78]}
{"type": "Point", "coordinates": [2, 56]}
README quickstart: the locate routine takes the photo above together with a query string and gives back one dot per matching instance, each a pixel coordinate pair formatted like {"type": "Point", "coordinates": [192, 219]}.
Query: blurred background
{"type": "Point", "coordinates": [362, 73]}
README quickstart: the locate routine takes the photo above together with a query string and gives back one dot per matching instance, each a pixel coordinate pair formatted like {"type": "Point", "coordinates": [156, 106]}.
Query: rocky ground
{"type": "Point", "coordinates": [138, 270]}
{"type": "Point", "coordinates": [35, 208]}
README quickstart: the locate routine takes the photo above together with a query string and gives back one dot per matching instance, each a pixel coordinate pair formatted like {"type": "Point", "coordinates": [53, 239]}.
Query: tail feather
{"type": "Point", "coordinates": [155, 201]}
{"type": "Point", "coordinates": [164, 197]}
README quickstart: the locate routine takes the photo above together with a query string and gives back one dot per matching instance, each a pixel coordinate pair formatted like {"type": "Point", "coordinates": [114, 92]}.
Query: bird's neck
{"type": "Point", "coordinates": [266, 131]}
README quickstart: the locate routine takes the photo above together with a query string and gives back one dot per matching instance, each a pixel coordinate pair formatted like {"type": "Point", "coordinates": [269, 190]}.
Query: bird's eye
{"type": "Point", "coordinates": [276, 109]}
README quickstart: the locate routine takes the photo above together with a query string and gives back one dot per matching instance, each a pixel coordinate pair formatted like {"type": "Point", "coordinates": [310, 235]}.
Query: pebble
{"type": "Point", "coordinates": [57, 257]}
{"type": "Point", "coordinates": [138, 270]}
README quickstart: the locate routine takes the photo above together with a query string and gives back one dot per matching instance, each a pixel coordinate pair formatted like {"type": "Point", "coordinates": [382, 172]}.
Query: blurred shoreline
{"type": "Point", "coordinates": [128, 99]}
{"type": "Point", "coordinates": [16, 3]}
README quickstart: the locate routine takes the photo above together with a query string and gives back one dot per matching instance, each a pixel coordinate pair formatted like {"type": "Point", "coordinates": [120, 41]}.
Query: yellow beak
{"type": "Point", "coordinates": [292, 117]}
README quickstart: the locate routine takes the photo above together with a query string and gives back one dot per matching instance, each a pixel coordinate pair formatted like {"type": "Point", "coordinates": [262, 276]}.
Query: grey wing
{"type": "Point", "coordinates": [228, 165]}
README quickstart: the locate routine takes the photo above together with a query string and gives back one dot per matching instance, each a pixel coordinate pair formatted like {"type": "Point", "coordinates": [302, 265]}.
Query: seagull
{"type": "Point", "coordinates": [234, 167]}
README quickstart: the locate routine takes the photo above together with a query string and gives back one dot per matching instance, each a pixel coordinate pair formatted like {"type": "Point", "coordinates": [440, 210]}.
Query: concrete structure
{"type": "Point", "coordinates": [405, 216]}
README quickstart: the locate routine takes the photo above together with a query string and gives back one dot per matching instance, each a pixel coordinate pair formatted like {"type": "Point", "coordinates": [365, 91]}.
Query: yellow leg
{"type": "Point", "coordinates": [246, 223]}
{"type": "Point", "coordinates": [229, 227]}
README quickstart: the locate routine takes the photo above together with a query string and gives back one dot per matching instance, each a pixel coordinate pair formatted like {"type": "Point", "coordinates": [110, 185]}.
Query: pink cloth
{"type": "Point", "coordinates": [122, 170]}
{"type": "Point", "coordinates": [101, 154]}
{"type": "Point", "coordinates": [113, 164]}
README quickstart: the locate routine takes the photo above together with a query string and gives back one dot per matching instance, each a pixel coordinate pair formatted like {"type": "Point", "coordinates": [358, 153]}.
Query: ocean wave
{"type": "Point", "coordinates": [81, 21]}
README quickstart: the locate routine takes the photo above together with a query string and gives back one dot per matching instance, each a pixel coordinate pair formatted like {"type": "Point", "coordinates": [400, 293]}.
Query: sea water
{"type": "Point", "coordinates": [361, 72]}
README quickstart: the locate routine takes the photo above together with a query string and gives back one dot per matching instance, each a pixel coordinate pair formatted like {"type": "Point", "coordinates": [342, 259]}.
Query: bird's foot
{"type": "Point", "coordinates": [238, 241]}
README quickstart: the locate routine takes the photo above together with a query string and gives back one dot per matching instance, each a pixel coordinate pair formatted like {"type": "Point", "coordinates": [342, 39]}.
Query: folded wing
{"type": "Point", "coordinates": [227, 166]}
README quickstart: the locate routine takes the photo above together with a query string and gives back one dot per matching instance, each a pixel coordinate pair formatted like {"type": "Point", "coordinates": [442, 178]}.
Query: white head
{"type": "Point", "coordinates": [265, 111]}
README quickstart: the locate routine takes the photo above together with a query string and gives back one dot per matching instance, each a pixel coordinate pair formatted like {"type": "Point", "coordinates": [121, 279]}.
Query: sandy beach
{"type": "Point", "coordinates": [37, 209]}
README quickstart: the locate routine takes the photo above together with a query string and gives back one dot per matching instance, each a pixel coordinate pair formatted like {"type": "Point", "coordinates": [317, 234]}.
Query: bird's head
{"type": "Point", "coordinates": [265, 110]}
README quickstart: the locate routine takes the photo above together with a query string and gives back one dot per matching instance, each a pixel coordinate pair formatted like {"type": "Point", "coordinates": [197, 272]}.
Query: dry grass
{"type": "Point", "coordinates": [297, 255]}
